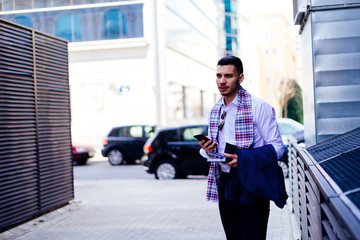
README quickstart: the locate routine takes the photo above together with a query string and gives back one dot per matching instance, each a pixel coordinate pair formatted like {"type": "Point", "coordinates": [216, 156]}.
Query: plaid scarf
{"type": "Point", "coordinates": [244, 135]}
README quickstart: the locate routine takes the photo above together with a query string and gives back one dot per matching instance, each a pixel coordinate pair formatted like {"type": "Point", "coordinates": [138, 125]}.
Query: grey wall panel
{"type": "Point", "coordinates": [338, 94]}
{"type": "Point", "coordinates": [337, 77]}
{"type": "Point", "coordinates": [308, 85]}
{"type": "Point", "coordinates": [339, 110]}
{"type": "Point", "coordinates": [335, 38]}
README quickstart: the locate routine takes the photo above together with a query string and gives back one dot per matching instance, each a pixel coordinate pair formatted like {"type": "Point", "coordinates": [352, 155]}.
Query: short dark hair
{"type": "Point", "coordinates": [232, 60]}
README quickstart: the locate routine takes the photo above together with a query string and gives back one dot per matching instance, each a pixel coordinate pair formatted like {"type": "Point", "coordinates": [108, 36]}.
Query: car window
{"type": "Point", "coordinates": [131, 131]}
{"type": "Point", "coordinates": [114, 132]}
{"type": "Point", "coordinates": [149, 131]}
{"type": "Point", "coordinates": [172, 136]}
{"type": "Point", "coordinates": [123, 132]}
{"type": "Point", "coordinates": [187, 134]}
{"type": "Point", "coordinates": [136, 131]}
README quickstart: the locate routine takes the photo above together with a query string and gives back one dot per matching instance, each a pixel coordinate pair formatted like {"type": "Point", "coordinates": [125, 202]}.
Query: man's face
{"type": "Point", "coordinates": [228, 80]}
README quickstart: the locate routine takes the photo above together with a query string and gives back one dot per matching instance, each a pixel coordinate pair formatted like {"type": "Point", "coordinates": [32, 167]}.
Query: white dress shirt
{"type": "Point", "coordinates": [265, 128]}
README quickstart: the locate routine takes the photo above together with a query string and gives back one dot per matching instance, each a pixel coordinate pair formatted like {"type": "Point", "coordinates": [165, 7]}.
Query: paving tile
{"type": "Point", "coordinates": [141, 209]}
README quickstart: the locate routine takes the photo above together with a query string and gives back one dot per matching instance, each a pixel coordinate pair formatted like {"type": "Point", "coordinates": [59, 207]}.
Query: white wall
{"type": "Point", "coordinates": [111, 85]}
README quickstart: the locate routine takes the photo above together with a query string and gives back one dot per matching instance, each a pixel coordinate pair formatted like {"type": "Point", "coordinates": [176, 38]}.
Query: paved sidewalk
{"type": "Point", "coordinates": [141, 209]}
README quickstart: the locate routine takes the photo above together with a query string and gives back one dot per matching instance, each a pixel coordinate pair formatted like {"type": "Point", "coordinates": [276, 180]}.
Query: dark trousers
{"type": "Point", "coordinates": [240, 221]}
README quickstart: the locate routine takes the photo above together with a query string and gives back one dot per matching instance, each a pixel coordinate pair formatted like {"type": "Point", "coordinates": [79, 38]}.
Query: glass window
{"type": "Point", "coordinates": [231, 44]}
{"type": "Point", "coordinates": [23, 4]}
{"type": "Point", "coordinates": [114, 132]}
{"type": "Point", "coordinates": [93, 1]}
{"type": "Point", "coordinates": [7, 5]}
{"type": "Point", "coordinates": [227, 24]}
{"type": "Point", "coordinates": [124, 132]}
{"type": "Point", "coordinates": [228, 43]}
{"type": "Point", "coordinates": [230, 6]}
{"type": "Point", "coordinates": [227, 5]}
{"type": "Point", "coordinates": [68, 26]}
{"type": "Point", "coordinates": [136, 131]}
{"type": "Point", "coordinates": [172, 136]}
{"type": "Point", "coordinates": [187, 134]}
{"type": "Point", "coordinates": [84, 24]}
{"type": "Point", "coordinates": [59, 3]}
{"type": "Point", "coordinates": [192, 103]}
{"type": "Point", "coordinates": [42, 3]}
{"type": "Point", "coordinates": [131, 131]}
{"type": "Point", "coordinates": [24, 20]}
{"type": "Point", "coordinates": [191, 27]}
{"type": "Point", "coordinates": [114, 24]}
{"type": "Point", "coordinates": [78, 2]}
{"type": "Point", "coordinates": [149, 131]}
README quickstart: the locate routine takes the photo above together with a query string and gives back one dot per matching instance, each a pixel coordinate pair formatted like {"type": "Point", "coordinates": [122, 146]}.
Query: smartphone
{"type": "Point", "coordinates": [200, 137]}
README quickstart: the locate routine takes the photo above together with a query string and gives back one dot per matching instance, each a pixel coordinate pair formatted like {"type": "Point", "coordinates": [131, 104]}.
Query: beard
{"type": "Point", "coordinates": [228, 91]}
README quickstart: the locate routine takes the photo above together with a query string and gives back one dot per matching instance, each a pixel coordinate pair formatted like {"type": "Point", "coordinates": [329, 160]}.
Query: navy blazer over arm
{"type": "Point", "coordinates": [258, 176]}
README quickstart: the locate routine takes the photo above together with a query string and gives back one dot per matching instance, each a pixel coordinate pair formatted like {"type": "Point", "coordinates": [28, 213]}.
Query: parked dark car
{"type": "Point", "coordinates": [125, 143]}
{"type": "Point", "coordinates": [174, 153]}
{"type": "Point", "coordinates": [81, 154]}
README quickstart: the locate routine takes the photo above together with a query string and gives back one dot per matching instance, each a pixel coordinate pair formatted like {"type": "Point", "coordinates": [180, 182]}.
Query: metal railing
{"type": "Point", "coordinates": [323, 211]}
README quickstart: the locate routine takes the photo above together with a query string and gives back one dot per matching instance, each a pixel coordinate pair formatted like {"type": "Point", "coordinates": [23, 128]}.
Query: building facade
{"type": "Point", "coordinates": [133, 62]}
{"type": "Point", "coordinates": [231, 27]}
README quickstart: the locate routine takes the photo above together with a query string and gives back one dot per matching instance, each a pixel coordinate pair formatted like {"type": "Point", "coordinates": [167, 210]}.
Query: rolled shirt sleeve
{"type": "Point", "coordinates": [266, 130]}
{"type": "Point", "coordinates": [203, 153]}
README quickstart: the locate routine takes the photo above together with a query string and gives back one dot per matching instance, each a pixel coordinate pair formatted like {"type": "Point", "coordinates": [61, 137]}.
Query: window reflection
{"type": "Point", "coordinates": [114, 24]}
{"type": "Point", "coordinates": [68, 27]}
{"type": "Point", "coordinates": [22, 4]}
{"type": "Point", "coordinates": [78, 2]}
{"type": "Point", "coordinates": [58, 3]}
{"type": "Point", "coordinates": [93, 1]}
{"type": "Point", "coordinates": [24, 20]}
{"type": "Point", "coordinates": [7, 6]}
{"type": "Point", "coordinates": [42, 3]}
{"type": "Point", "coordinates": [88, 24]}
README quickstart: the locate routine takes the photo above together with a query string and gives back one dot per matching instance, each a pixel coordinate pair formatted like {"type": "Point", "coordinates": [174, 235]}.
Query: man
{"type": "Point", "coordinates": [252, 124]}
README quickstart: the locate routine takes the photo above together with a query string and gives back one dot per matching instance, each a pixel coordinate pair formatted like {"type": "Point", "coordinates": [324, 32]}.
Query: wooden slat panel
{"type": "Point", "coordinates": [35, 140]}
{"type": "Point", "coordinates": [53, 121]}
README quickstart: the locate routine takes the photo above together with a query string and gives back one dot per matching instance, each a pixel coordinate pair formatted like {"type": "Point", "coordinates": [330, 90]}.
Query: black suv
{"type": "Point", "coordinates": [174, 153]}
{"type": "Point", "coordinates": [126, 143]}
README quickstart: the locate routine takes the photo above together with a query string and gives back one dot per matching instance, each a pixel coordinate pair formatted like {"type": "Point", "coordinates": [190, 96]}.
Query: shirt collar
{"type": "Point", "coordinates": [234, 101]}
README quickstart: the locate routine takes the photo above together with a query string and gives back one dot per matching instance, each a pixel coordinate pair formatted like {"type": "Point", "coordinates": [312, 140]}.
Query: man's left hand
{"type": "Point", "coordinates": [233, 162]}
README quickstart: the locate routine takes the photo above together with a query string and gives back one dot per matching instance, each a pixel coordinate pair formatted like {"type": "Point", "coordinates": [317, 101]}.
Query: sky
{"type": "Point", "coordinates": [251, 7]}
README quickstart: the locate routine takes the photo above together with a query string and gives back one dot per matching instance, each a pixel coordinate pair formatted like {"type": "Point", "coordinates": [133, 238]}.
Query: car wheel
{"type": "Point", "coordinates": [166, 170]}
{"type": "Point", "coordinates": [284, 167]}
{"type": "Point", "coordinates": [115, 157]}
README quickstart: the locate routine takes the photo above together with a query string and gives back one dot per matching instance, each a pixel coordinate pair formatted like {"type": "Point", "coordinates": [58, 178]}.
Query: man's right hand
{"type": "Point", "coordinates": [208, 146]}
